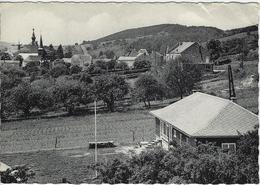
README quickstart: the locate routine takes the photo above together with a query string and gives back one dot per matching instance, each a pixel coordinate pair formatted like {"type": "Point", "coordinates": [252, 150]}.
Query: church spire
{"type": "Point", "coordinates": [33, 38]}
{"type": "Point", "coordinates": [41, 44]}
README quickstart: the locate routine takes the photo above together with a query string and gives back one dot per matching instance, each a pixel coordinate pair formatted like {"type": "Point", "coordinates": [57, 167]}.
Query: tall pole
{"type": "Point", "coordinates": [95, 135]}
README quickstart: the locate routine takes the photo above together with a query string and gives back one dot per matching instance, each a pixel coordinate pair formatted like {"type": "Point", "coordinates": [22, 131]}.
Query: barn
{"type": "Point", "coordinates": [193, 54]}
{"type": "Point", "coordinates": [203, 118]}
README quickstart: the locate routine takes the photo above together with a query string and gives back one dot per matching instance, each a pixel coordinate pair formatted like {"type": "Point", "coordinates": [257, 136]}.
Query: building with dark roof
{"type": "Point", "coordinates": [203, 118]}
{"type": "Point", "coordinates": [192, 53]}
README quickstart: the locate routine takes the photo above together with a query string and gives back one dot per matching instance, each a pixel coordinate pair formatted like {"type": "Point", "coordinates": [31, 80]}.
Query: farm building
{"type": "Point", "coordinates": [193, 54]}
{"type": "Point", "coordinates": [30, 57]}
{"type": "Point", "coordinates": [81, 60]}
{"type": "Point", "coordinates": [203, 118]}
{"type": "Point", "coordinates": [141, 55]}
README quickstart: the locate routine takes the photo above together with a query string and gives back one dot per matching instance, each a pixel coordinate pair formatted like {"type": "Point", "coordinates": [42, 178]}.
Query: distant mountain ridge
{"type": "Point", "coordinates": [160, 30]}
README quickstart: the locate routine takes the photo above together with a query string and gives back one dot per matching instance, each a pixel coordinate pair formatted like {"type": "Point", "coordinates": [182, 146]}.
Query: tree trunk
{"type": "Point", "coordinates": [149, 104]}
{"type": "Point", "coordinates": [110, 106]}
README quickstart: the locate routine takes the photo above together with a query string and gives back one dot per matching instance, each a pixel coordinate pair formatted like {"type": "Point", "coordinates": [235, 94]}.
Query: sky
{"type": "Point", "coordinates": [70, 23]}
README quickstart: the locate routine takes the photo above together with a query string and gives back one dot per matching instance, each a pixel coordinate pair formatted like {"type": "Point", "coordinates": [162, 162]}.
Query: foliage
{"type": "Point", "coordinates": [109, 54]}
{"type": "Point", "coordinates": [26, 97]}
{"type": "Point", "coordinates": [148, 88]}
{"type": "Point", "coordinates": [214, 47]}
{"type": "Point", "coordinates": [140, 64]}
{"type": "Point", "coordinates": [122, 65]}
{"type": "Point", "coordinates": [110, 88]}
{"type": "Point", "coordinates": [94, 69]}
{"type": "Point", "coordinates": [59, 70]}
{"type": "Point", "coordinates": [69, 93]}
{"type": "Point", "coordinates": [180, 78]}
{"type": "Point", "coordinates": [75, 69]}
{"type": "Point", "coordinates": [59, 52]}
{"type": "Point", "coordinates": [32, 67]}
{"type": "Point", "coordinates": [202, 164]}
{"type": "Point", "coordinates": [11, 77]}
{"type": "Point", "coordinates": [111, 64]}
{"type": "Point", "coordinates": [18, 174]}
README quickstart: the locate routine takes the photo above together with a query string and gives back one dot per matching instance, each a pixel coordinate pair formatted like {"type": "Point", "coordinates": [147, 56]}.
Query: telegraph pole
{"type": "Point", "coordinates": [95, 104]}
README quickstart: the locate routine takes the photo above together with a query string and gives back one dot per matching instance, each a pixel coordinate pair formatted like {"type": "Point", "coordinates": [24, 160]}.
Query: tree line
{"type": "Point", "coordinates": [69, 87]}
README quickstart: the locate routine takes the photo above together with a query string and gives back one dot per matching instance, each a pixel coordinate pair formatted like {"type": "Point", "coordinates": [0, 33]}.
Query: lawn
{"type": "Point", "coordinates": [35, 140]}
{"type": "Point", "coordinates": [73, 132]}
{"type": "Point", "coordinates": [52, 166]}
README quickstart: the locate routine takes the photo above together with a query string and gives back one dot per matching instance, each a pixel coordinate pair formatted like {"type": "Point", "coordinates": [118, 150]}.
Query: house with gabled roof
{"type": "Point", "coordinates": [193, 54]}
{"type": "Point", "coordinates": [134, 56]}
{"type": "Point", "coordinates": [203, 118]}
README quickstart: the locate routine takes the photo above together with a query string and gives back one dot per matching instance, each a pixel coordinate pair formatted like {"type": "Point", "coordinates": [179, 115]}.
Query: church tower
{"type": "Point", "coordinates": [33, 38]}
{"type": "Point", "coordinates": [41, 51]}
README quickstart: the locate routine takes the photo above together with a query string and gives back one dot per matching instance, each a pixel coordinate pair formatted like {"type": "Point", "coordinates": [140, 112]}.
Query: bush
{"type": "Point", "coordinates": [59, 70]}
{"type": "Point", "coordinates": [140, 64]}
{"type": "Point", "coordinates": [203, 164]}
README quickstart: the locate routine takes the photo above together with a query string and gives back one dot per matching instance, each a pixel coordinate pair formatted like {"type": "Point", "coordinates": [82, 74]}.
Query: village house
{"type": "Point", "coordinates": [134, 56]}
{"type": "Point", "coordinates": [193, 54]}
{"type": "Point", "coordinates": [203, 118]}
{"type": "Point", "coordinates": [81, 60]}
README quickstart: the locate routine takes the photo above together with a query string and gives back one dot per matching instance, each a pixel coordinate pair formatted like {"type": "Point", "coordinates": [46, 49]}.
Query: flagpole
{"type": "Point", "coordinates": [95, 103]}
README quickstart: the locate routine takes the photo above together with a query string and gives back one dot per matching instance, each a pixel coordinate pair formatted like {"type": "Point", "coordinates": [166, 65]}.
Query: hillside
{"type": "Point", "coordinates": [156, 37]}
{"type": "Point", "coordinates": [162, 30]}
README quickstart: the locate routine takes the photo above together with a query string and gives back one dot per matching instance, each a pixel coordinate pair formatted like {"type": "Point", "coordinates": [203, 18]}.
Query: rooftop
{"type": "Point", "coordinates": [203, 115]}
{"type": "Point", "coordinates": [182, 47]}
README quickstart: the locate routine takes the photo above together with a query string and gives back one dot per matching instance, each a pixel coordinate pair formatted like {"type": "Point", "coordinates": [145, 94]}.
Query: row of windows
{"type": "Point", "coordinates": [174, 133]}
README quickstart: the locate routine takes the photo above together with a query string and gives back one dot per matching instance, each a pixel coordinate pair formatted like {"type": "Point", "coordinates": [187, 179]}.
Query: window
{"type": "Point", "coordinates": [173, 133]}
{"type": "Point", "coordinates": [229, 147]}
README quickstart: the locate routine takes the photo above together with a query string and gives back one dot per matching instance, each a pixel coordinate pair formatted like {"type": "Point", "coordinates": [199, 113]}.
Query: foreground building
{"type": "Point", "coordinates": [203, 118]}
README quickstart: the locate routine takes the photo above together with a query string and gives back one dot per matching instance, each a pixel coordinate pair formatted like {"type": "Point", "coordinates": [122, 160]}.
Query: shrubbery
{"type": "Point", "coordinates": [203, 164]}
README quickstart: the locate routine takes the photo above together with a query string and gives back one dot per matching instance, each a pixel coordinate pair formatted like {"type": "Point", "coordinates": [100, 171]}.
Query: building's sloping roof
{"type": "Point", "coordinates": [203, 115]}
{"type": "Point", "coordinates": [182, 47]}
{"type": "Point", "coordinates": [26, 55]}
{"type": "Point", "coordinates": [143, 51]}
{"type": "Point", "coordinates": [123, 58]}
{"type": "Point", "coordinates": [4, 167]}
{"type": "Point", "coordinates": [32, 58]}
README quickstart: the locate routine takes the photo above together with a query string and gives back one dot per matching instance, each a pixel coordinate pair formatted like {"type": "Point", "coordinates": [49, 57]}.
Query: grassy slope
{"type": "Point", "coordinates": [247, 96]}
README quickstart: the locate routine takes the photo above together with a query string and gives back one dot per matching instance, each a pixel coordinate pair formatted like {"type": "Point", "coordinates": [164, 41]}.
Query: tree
{"type": "Point", "coordinates": [214, 47]}
{"type": "Point", "coordinates": [59, 70]}
{"type": "Point", "coordinates": [148, 88]}
{"type": "Point", "coordinates": [59, 52]}
{"type": "Point", "coordinates": [27, 96]}
{"type": "Point", "coordinates": [69, 53]}
{"type": "Point", "coordinates": [140, 64]}
{"type": "Point", "coordinates": [202, 164]}
{"type": "Point", "coordinates": [180, 79]}
{"type": "Point", "coordinates": [75, 69]}
{"type": "Point", "coordinates": [68, 92]}
{"type": "Point", "coordinates": [111, 64]}
{"type": "Point", "coordinates": [122, 65]}
{"type": "Point", "coordinates": [51, 53]}
{"type": "Point", "coordinates": [18, 174]}
{"type": "Point", "coordinates": [109, 54]}
{"type": "Point", "coordinates": [110, 88]}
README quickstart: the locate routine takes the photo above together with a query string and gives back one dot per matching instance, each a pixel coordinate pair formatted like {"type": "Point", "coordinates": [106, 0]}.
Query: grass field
{"type": "Point", "coordinates": [71, 132]}
{"type": "Point", "coordinates": [35, 140]}
{"type": "Point", "coordinates": [246, 91]}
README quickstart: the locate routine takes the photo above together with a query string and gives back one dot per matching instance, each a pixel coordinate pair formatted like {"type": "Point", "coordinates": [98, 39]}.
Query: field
{"type": "Point", "coordinates": [34, 142]}
{"type": "Point", "coordinates": [246, 87]}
